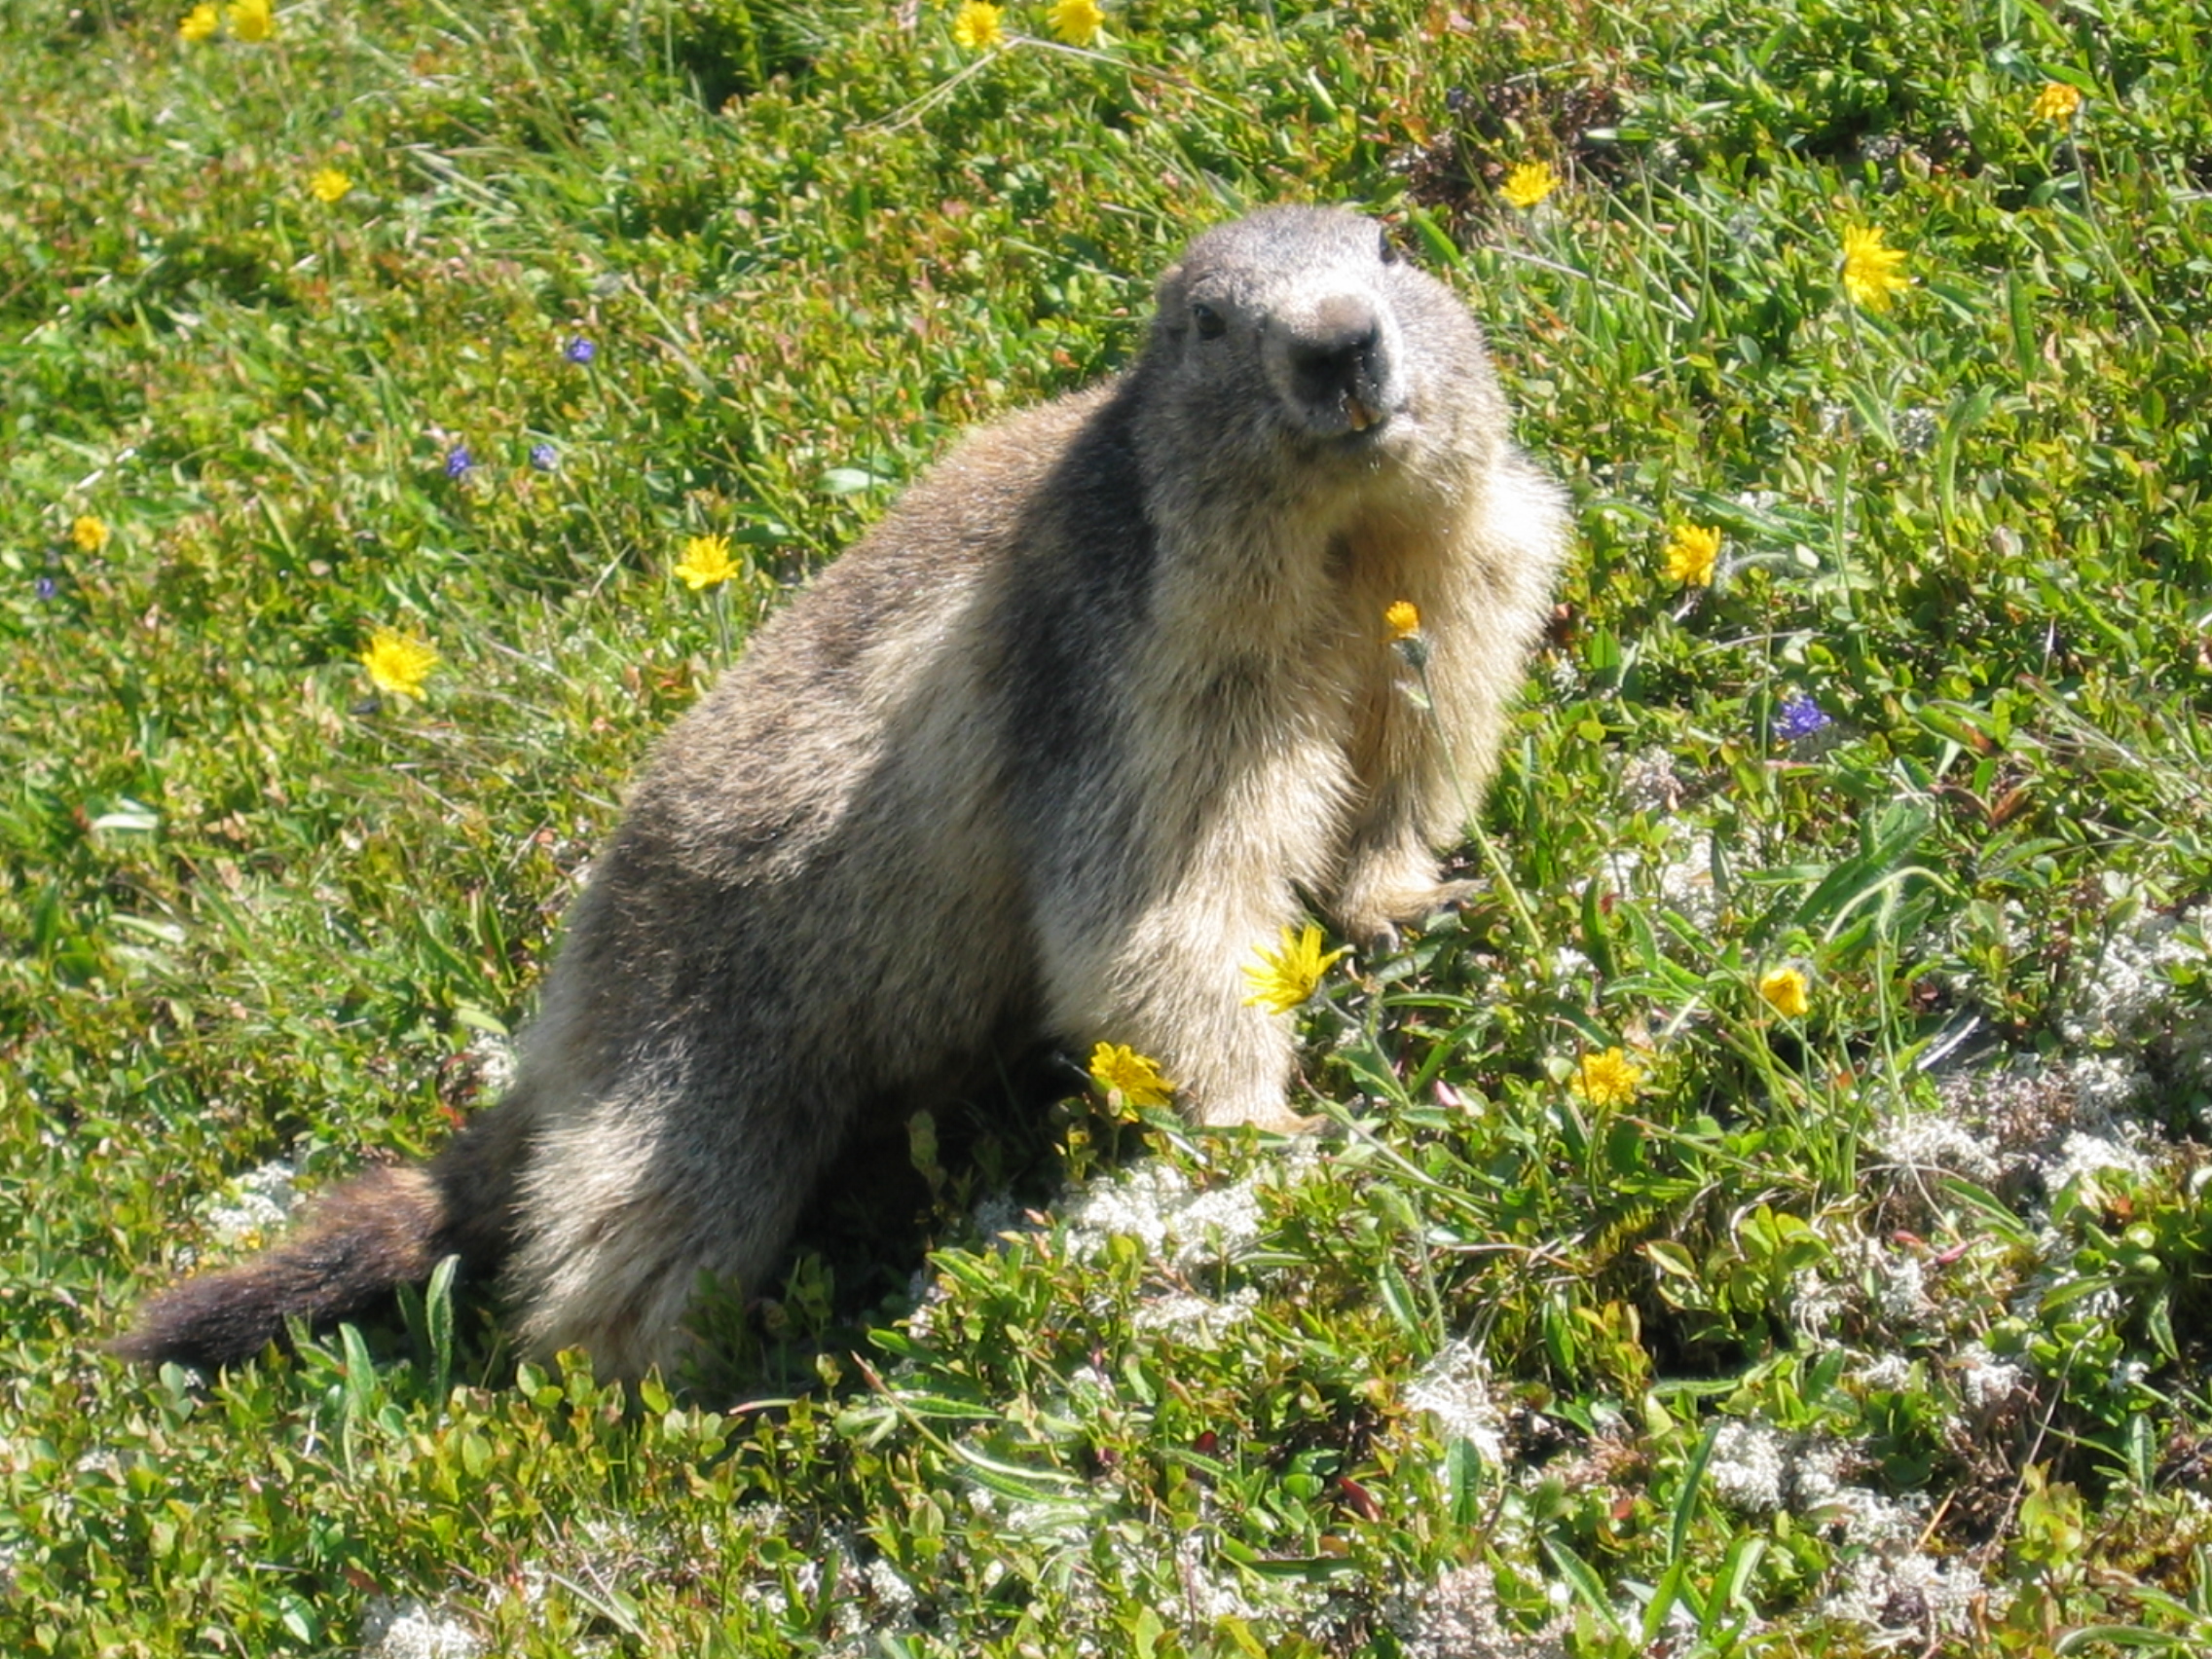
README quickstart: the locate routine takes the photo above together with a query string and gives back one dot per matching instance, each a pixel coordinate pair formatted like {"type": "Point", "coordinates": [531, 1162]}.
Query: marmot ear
{"type": "Point", "coordinates": [1170, 280]}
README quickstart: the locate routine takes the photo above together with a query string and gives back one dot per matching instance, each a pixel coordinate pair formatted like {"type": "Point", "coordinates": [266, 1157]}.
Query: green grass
{"type": "Point", "coordinates": [1878, 1329]}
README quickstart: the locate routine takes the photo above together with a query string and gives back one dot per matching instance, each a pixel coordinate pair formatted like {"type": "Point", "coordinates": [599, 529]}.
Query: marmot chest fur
{"type": "Point", "coordinates": [1047, 756]}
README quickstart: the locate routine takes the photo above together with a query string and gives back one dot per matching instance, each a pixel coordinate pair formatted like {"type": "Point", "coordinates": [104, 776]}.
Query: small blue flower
{"type": "Point", "coordinates": [1798, 718]}
{"type": "Point", "coordinates": [544, 457]}
{"type": "Point", "coordinates": [46, 587]}
{"type": "Point", "coordinates": [579, 349]}
{"type": "Point", "coordinates": [458, 461]}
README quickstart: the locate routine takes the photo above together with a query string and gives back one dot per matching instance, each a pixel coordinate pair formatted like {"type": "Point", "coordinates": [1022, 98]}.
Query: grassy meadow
{"type": "Point", "coordinates": [1776, 1219]}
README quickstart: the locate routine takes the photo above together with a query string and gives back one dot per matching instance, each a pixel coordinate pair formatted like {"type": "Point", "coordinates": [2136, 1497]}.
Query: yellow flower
{"type": "Point", "coordinates": [398, 663]}
{"type": "Point", "coordinates": [975, 25]}
{"type": "Point", "coordinates": [1528, 184]}
{"type": "Point", "coordinates": [2057, 104]}
{"type": "Point", "coordinates": [328, 184]}
{"type": "Point", "coordinates": [1692, 553]}
{"type": "Point", "coordinates": [253, 20]}
{"type": "Point", "coordinates": [88, 532]}
{"type": "Point", "coordinates": [1786, 992]}
{"type": "Point", "coordinates": [1403, 619]}
{"type": "Point", "coordinates": [1077, 21]}
{"type": "Point", "coordinates": [200, 23]}
{"type": "Point", "coordinates": [1609, 1079]}
{"type": "Point", "coordinates": [706, 562]}
{"type": "Point", "coordinates": [1282, 980]}
{"type": "Point", "coordinates": [1120, 1069]}
{"type": "Point", "coordinates": [1871, 273]}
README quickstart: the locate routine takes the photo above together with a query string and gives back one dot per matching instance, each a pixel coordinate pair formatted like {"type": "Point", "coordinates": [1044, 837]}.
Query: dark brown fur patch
{"type": "Point", "coordinates": [360, 1241]}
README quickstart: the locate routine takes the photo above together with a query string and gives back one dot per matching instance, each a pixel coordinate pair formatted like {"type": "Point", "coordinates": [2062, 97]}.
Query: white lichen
{"type": "Point", "coordinates": [2126, 989]}
{"type": "Point", "coordinates": [492, 1058]}
{"type": "Point", "coordinates": [1649, 783]}
{"type": "Point", "coordinates": [406, 1629]}
{"type": "Point", "coordinates": [1890, 1372]}
{"type": "Point", "coordinates": [1749, 1468]}
{"type": "Point", "coordinates": [254, 1205]}
{"type": "Point", "coordinates": [1198, 1321]}
{"type": "Point", "coordinates": [1934, 1143]}
{"type": "Point", "coordinates": [1905, 1590]}
{"type": "Point", "coordinates": [1758, 1469]}
{"type": "Point", "coordinates": [1176, 1222]}
{"type": "Point", "coordinates": [1458, 1617]}
{"type": "Point", "coordinates": [1986, 1383]}
{"type": "Point", "coordinates": [1454, 1388]}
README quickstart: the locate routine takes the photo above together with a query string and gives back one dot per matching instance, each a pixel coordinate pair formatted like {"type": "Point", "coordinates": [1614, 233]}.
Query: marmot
{"type": "Point", "coordinates": [1044, 757]}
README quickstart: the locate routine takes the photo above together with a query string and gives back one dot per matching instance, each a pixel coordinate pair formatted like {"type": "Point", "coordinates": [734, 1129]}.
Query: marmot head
{"type": "Point", "coordinates": [1302, 333]}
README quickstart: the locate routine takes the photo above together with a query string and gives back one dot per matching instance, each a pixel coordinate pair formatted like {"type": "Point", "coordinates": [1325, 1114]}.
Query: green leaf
{"type": "Point", "coordinates": [1586, 1585]}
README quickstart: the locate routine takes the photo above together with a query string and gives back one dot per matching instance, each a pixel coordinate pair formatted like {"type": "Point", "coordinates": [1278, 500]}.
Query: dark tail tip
{"type": "Point", "coordinates": [359, 1243]}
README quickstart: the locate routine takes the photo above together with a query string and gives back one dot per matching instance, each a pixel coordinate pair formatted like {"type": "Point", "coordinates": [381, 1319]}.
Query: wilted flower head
{"type": "Point", "coordinates": [1870, 274]}
{"type": "Point", "coordinates": [1076, 21]}
{"type": "Point", "coordinates": [1787, 991]}
{"type": "Point", "coordinates": [327, 185]}
{"type": "Point", "coordinates": [579, 349]}
{"type": "Point", "coordinates": [200, 23]}
{"type": "Point", "coordinates": [1282, 979]}
{"type": "Point", "coordinates": [1120, 1069]}
{"type": "Point", "coordinates": [1693, 552]}
{"type": "Point", "coordinates": [2057, 104]}
{"type": "Point", "coordinates": [1609, 1079]}
{"type": "Point", "coordinates": [398, 663]}
{"type": "Point", "coordinates": [975, 25]}
{"type": "Point", "coordinates": [458, 461]}
{"type": "Point", "coordinates": [706, 562]}
{"type": "Point", "coordinates": [1528, 183]}
{"type": "Point", "coordinates": [252, 20]}
{"type": "Point", "coordinates": [1799, 717]}
{"type": "Point", "coordinates": [90, 534]}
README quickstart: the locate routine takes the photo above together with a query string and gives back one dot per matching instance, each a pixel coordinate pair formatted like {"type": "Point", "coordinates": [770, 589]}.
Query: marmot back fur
{"type": "Point", "coordinates": [1046, 757]}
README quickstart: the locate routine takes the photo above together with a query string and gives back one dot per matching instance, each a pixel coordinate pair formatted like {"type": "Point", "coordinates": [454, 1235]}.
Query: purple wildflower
{"type": "Point", "coordinates": [544, 457]}
{"type": "Point", "coordinates": [46, 587]}
{"type": "Point", "coordinates": [1798, 718]}
{"type": "Point", "coordinates": [579, 349]}
{"type": "Point", "coordinates": [458, 461]}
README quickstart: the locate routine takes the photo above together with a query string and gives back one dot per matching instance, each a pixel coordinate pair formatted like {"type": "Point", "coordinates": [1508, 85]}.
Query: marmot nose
{"type": "Point", "coordinates": [1337, 361]}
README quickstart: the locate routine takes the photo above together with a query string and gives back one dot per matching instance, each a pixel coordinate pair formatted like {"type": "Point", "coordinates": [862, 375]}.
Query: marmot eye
{"type": "Point", "coordinates": [1388, 248]}
{"type": "Point", "coordinates": [1211, 324]}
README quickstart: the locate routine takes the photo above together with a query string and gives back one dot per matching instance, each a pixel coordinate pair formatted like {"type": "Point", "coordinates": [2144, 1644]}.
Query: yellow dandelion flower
{"type": "Point", "coordinates": [252, 20]}
{"type": "Point", "coordinates": [1871, 273]}
{"type": "Point", "coordinates": [1693, 552]}
{"type": "Point", "coordinates": [398, 663]}
{"type": "Point", "coordinates": [1609, 1079]}
{"type": "Point", "coordinates": [2057, 104]}
{"type": "Point", "coordinates": [706, 562]}
{"type": "Point", "coordinates": [200, 23]}
{"type": "Point", "coordinates": [1076, 21]}
{"type": "Point", "coordinates": [1120, 1069]}
{"type": "Point", "coordinates": [1528, 184]}
{"type": "Point", "coordinates": [88, 532]}
{"type": "Point", "coordinates": [1282, 980]}
{"type": "Point", "coordinates": [1787, 991]}
{"type": "Point", "coordinates": [1403, 619]}
{"type": "Point", "coordinates": [975, 25]}
{"type": "Point", "coordinates": [327, 185]}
